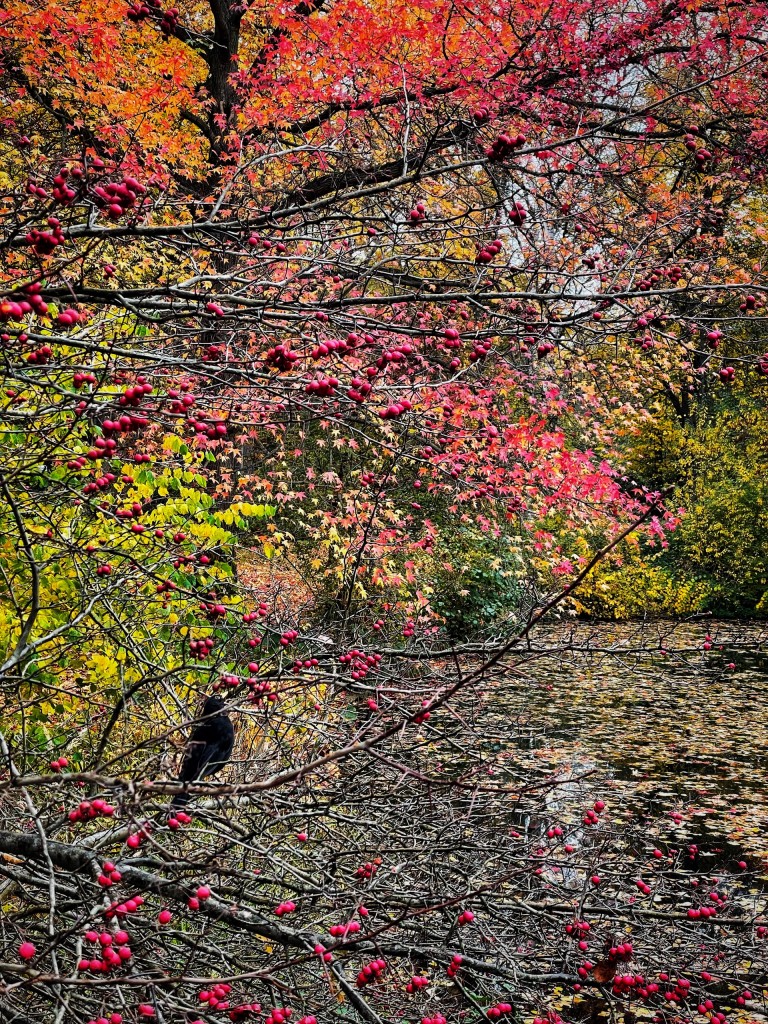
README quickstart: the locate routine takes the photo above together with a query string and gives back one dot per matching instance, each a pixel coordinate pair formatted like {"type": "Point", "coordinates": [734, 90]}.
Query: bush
{"type": "Point", "coordinates": [477, 583]}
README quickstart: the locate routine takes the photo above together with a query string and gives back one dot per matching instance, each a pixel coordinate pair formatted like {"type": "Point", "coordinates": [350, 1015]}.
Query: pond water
{"type": "Point", "coordinates": [673, 717]}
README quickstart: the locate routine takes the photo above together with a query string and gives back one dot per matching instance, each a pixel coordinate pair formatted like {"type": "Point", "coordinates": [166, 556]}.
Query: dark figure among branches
{"type": "Point", "coordinates": [209, 747]}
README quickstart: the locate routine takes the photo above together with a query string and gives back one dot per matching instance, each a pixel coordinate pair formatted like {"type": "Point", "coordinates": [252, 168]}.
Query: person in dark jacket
{"type": "Point", "coordinates": [209, 747]}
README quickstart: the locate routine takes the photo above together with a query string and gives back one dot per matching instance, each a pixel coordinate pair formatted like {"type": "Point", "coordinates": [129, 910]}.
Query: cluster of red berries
{"type": "Point", "coordinates": [359, 389]}
{"type": "Point", "coordinates": [423, 716]}
{"type": "Point", "coordinates": [36, 190]}
{"type": "Point", "coordinates": [62, 192]}
{"type": "Point", "coordinates": [109, 875]}
{"type": "Point", "coordinates": [499, 1010]}
{"type": "Point", "coordinates": [701, 154]}
{"type": "Point", "coordinates": [592, 815]}
{"type": "Point", "coordinates": [266, 243]}
{"type": "Point", "coordinates": [644, 888]}
{"type": "Point", "coordinates": [216, 996]}
{"type": "Point", "coordinates": [57, 765]}
{"type": "Point", "coordinates": [437, 1019]}
{"type": "Point", "coordinates": [10, 309]}
{"type": "Point", "coordinates": [124, 424]}
{"type": "Point", "coordinates": [200, 649]}
{"type": "Point", "coordinates": [243, 1010]}
{"type": "Point", "coordinates": [260, 690]}
{"type": "Point", "coordinates": [480, 350]}
{"type": "Point", "coordinates": [281, 357]}
{"type": "Point", "coordinates": [707, 1008]}
{"type": "Point", "coordinates": [398, 354]}
{"type": "Point", "coordinates": [114, 950]}
{"type": "Point", "coordinates": [117, 198]}
{"type": "Point", "coordinates": [418, 214]}
{"type": "Point", "coordinates": [40, 356]}
{"type": "Point", "coordinates": [416, 983]}
{"type": "Point", "coordinates": [212, 353]}
{"type": "Point", "coordinates": [169, 21]}
{"type": "Point", "coordinates": [504, 146]}
{"type": "Point", "coordinates": [342, 930]}
{"type": "Point", "coordinates": [138, 12]}
{"type": "Point", "coordinates": [188, 560]}
{"type": "Point", "coordinates": [324, 387]}
{"type": "Point", "coordinates": [212, 430]}
{"type": "Point", "coordinates": [622, 952]}
{"type": "Point", "coordinates": [455, 965]}
{"type": "Point", "coordinates": [134, 512]}
{"type": "Point", "coordinates": [288, 637]}
{"type": "Point", "coordinates": [336, 345]}
{"type": "Point", "coordinates": [696, 912]}
{"type": "Point", "coordinates": [262, 610]}
{"type": "Point", "coordinates": [577, 928]}
{"type": "Point", "coordinates": [103, 447]}
{"type": "Point", "coordinates": [131, 397]}
{"type": "Point", "coordinates": [286, 907]}
{"type": "Point", "coordinates": [322, 952]}
{"type": "Point", "coordinates": [279, 1015]}
{"type": "Point", "coordinates": [44, 242]}
{"type": "Point", "coordinates": [359, 662]}
{"type": "Point", "coordinates": [300, 665]}
{"type": "Point", "coordinates": [677, 994]}
{"type": "Point", "coordinates": [366, 871]}
{"type": "Point", "coordinates": [489, 251]}
{"type": "Point", "coordinates": [80, 378]}
{"type": "Point", "coordinates": [213, 611]}
{"type": "Point", "coordinates": [466, 917]}
{"type": "Point", "coordinates": [396, 409]}
{"type": "Point", "coordinates": [202, 893]}
{"type": "Point", "coordinates": [409, 628]}
{"type": "Point", "coordinates": [130, 906]}
{"type": "Point", "coordinates": [371, 972]}
{"type": "Point", "coordinates": [451, 338]}
{"type": "Point", "coordinates": [177, 820]}
{"type": "Point", "coordinates": [624, 983]}
{"type": "Point", "coordinates": [180, 403]}
{"type": "Point", "coordinates": [113, 1018]}
{"type": "Point", "coordinates": [518, 213]}
{"type": "Point", "coordinates": [91, 809]}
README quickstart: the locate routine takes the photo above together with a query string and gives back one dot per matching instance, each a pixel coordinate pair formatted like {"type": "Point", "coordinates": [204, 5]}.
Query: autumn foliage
{"type": "Point", "coordinates": [336, 338]}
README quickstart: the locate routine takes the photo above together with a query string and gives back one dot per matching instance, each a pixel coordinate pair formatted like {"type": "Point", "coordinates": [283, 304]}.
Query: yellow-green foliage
{"type": "Point", "coordinates": [635, 587]}
{"type": "Point", "coordinates": [716, 463]}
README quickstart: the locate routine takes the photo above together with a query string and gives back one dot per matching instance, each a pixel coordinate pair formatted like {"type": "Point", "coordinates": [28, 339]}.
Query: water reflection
{"type": "Point", "coordinates": [675, 715]}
